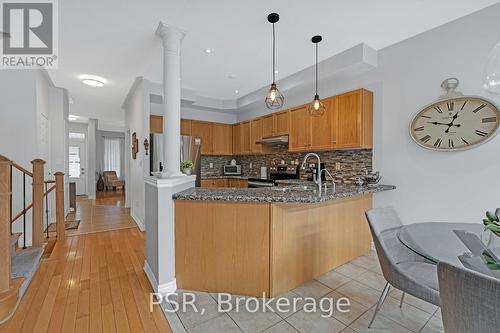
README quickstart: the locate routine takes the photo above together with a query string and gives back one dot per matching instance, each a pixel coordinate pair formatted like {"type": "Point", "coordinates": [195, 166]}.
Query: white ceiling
{"type": "Point", "coordinates": [115, 39]}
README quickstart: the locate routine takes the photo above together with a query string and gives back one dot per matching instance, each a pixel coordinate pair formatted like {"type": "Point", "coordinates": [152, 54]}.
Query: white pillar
{"type": "Point", "coordinates": [171, 38]}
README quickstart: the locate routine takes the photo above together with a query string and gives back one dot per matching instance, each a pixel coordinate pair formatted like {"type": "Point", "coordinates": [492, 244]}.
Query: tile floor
{"type": "Point", "coordinates": [359, 280]}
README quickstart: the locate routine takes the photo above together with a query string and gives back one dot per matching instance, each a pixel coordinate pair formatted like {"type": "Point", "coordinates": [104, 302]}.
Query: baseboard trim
{"type": "Point", "coordinates": [138, 221]}
{"type": "Point", "coordinates": [163, 289]}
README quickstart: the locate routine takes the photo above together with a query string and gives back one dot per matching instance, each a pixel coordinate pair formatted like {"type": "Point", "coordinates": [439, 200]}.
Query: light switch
{"type": "Point", "coordinates": [337, 166]}
{"type": "Point", "coordinates": [251, 165]}
{"type": "Point", "coordinates": [211, 165]}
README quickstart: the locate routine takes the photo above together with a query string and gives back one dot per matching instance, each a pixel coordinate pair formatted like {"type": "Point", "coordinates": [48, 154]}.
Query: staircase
{"type": "Point", "coordinates": [19, 265]}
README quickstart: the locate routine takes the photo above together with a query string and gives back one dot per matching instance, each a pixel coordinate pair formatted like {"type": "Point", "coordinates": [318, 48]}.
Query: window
{"type": "Point", "coordinates": [76, 136]}
{"type": "Point", "coordinates": [74, 162]}
{"type": "Point", "coordinates": [112, 155]}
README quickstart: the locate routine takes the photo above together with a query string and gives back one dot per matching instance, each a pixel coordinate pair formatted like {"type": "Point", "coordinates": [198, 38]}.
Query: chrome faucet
{"type": "Point", "coordinates": [331, 178]}
{"type": "Point", "coordinates": [317, 181]}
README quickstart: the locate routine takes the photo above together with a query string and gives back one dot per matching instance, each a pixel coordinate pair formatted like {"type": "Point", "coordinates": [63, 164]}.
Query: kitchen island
{"type": "Point", "coordinates": [267, 241]}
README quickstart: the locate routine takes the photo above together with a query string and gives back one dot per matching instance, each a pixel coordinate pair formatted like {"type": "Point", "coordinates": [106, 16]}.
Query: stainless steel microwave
{"type": "Point", "coordinates": [232, 170]}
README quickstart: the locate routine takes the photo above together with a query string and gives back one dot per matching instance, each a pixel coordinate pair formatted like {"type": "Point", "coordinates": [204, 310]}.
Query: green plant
{"type": "Point", "coordinates": [492, 221]}
{"type": "Point", "coordinates": [186, 165]}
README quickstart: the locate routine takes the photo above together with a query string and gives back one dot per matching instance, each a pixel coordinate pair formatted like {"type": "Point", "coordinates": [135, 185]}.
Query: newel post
{"type": "Point", "coordinates": [38, 183]}
{"type": "Point", "coordinates": [5, 199]}
{"type": "Point", "coordinates": [60, 224]}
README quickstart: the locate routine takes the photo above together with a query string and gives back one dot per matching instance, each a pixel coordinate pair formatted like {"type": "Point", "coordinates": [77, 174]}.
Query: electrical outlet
{"type": "Point", "coordinates": [337, 166]}
{"type": "Point", "coordinates": [211, 165]}
{"type": "Point", "coordinates": [251, 165]}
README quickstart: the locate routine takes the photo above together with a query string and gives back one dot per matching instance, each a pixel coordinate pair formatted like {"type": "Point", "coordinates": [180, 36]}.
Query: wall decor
{"type": "Point", "coordinates": [135, 145]}
{"type": "Point", "coordinates": [455, 121]}
{"type": "Point", "coordinates": [146, 146]}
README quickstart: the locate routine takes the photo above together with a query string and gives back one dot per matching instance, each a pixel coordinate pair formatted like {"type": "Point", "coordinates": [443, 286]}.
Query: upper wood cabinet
{"type": "Point", "coordinates": [245, 137]}
{"type": "Point", "coordinates": [321, 127]}
{"type": "Point", "coordinates": [155, 124]}
{"type": "Point", "coordinates": [281, 121]}
{"type": "Point", "coordinates": [353, 123]}
{"type": "Point", "coordinates": [236, 139]}
{"type": "Point", "coordinates": [275, 124]}
{"type": "Point", "coordinates": [222, 139]}
{"type": "Point", "coordinates": [255, 135]}
{"type": "Point", "coordinates": [204, 131]}
{"type": "Point", "coordinates": [300, 129]}
{"type": "Point", "coordinates": [185, 127]}
{"type": "Point", "coordinates": [267, 125]}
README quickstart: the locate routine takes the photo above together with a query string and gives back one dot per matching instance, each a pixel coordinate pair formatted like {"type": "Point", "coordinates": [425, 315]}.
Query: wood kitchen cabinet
{"type": "Point", "coordinates": [204, 131]}
{"type": "Point", "coordinates": [222, 139]}
{"type": "Point", "coordinates": [275, 124]}
{"type": "Point", "coordinates": [185, 127]}
{"type": "Point", "coordinates": [238, 183]}
{"type": "Point", "coordinates": [309, 132]}
{"type": "Point", "coordinates": [353, 123]}
{"type": "Point", "coordinates": [236, 139]}
{"type": "Point", "coordinates": [155, 124]}
{"type": "Point", "coordinates": [245, 137]}
{"type": "Point", "coordinates": [255, 135]}
{"type": "Point", "coordinates": [219, 182]}
{"type": "Point", "coordinates": [300, 129]}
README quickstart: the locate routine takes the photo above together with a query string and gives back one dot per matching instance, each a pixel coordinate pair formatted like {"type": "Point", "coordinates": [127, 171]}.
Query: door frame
{"type": "Point", "coordinates": [82, 143]}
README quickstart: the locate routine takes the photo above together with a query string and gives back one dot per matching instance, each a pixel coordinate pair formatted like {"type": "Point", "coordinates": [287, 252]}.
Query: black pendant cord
{"type": "Point", "coordinates": [316, 69]}
{"type": "Point", "coordinates": [274, 55]}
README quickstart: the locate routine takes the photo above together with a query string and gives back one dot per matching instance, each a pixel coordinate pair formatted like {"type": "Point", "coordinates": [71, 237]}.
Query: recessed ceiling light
{"type": "Point", "coordinates": [236, 91]}
{"type": "Point", "coordinates": [93, 82]}
{"type": "Point", "coordinates": [207, 51]}
{"type": "Point", "coordinates": [72, 117]}
{"type": "Point", "coordinates": [276, 72]}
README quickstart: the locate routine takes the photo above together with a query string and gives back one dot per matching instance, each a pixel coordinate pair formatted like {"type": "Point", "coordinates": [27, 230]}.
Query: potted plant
{"type": "Point", "coordinates": [186, 167]}
{"type": "Point", "coordinates": [492, 222]}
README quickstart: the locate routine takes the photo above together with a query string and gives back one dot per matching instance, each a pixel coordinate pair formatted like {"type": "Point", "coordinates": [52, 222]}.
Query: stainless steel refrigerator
{"type": "Point", "coordinates": [190, 151]}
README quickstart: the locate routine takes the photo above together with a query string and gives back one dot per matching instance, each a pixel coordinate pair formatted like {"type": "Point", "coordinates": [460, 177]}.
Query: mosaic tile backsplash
{"type": "Point", "coordinates": [353, 163]}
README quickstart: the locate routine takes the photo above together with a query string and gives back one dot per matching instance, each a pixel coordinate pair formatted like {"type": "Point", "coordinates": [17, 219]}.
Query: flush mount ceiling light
{"type": "Point", "coordinates": [316, 108]}
{"type": "Point", "coordinates": [236, 91]}
{"type": "Point", "coordinates": [93, 81]}
{"type": "Point", "coordinates": [274, 98]}
{"type": "Point", "coordinates": [208, 51]}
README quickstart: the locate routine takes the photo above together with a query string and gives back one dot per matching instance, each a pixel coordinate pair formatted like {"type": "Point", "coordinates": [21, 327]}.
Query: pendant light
{"type": "Point", "coordinates": [274, 98]}
{"type": "Point", "coordinates": [491, 77]}
{"type": "Point", "coordinates": [316, 108]}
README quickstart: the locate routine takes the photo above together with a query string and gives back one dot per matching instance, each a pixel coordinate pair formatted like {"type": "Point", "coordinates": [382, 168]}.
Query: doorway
{"type": "Point", "coordinates": [77, 167]}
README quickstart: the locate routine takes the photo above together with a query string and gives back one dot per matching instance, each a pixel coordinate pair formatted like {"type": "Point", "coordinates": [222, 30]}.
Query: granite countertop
{"type": "Point", "coordinates": [276, 194]}
{"type": "Point", "coordinates": [224, 177]}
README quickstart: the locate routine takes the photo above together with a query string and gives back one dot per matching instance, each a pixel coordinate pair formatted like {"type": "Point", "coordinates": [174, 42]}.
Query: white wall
{"type": "Point", "coordinates": [136, 120]}
{"type": "Point", "coordinates": [91, 158]}
{"type": "Point", "coordinates": [431, 186]}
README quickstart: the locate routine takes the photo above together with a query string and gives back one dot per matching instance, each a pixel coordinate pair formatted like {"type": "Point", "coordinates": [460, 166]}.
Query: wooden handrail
{"type": "Point", "coordinates": [23, 170]}
{"type": "Point", "coordinates": [18, 215]}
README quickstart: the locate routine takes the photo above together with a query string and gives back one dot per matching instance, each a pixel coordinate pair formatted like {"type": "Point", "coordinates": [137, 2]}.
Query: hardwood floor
{"type": "Point", "coordinates": [111, 198]}
{"type": "Point", "coordinates": [90, 283]}
{"type": "Point", "coordinates": [101, 214]}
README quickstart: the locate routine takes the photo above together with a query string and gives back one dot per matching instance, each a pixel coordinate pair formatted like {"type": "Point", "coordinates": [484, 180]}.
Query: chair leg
{"type": "Point", "coordinates": [402, 298]}
{"type": "Point", "coordinates": [380, 302]}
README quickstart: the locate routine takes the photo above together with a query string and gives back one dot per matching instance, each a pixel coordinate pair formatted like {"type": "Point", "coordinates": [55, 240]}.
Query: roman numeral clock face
{"type": "Point", "coordinates": [455, 124]}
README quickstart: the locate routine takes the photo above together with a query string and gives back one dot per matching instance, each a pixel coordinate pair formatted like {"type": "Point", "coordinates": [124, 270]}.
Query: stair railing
{"type": "Point", "coordinates": [5, 204]}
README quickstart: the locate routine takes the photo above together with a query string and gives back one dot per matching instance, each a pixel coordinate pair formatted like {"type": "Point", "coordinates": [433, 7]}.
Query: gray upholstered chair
{"type": "Point", "coordinates": [470, 301]}
{"type": "Point", "coordinates": [402, 268]}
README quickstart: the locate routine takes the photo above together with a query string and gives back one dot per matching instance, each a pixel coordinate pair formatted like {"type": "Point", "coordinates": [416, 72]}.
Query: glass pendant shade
{"type": "Point", "coordinates": [491, 77]}
{"type": "Point", "coordinates": [274, 98]}
{"type": "Point", "coordinates": [316, 108]}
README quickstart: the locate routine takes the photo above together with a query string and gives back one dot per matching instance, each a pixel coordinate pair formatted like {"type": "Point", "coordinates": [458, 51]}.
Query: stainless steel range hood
{"type": "Point", "coordinates": [276, 140]}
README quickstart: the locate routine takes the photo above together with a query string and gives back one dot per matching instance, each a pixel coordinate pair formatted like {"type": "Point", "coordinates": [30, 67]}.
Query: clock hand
{"type": "Point", "coordinates": [437, 123]}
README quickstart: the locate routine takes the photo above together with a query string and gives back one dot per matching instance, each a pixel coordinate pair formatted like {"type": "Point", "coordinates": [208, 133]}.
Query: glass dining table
{"type": "Point", "coordinates": [437, 241]}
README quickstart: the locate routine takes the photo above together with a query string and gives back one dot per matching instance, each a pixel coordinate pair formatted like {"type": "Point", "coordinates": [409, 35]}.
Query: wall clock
{"type": "Point", "coordinates": [455, 121]}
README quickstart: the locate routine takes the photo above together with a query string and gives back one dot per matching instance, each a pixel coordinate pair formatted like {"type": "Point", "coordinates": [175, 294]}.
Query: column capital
{"type": "Point", "coordinates": [169, 32]}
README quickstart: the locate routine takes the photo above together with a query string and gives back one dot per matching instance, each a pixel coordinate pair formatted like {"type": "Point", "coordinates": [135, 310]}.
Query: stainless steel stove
{"type": "Point", "coordinates": [276, 172]}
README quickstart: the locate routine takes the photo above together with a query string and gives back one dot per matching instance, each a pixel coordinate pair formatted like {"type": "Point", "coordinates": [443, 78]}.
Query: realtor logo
{"type": "Point", "coordinates": [32, 34]}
